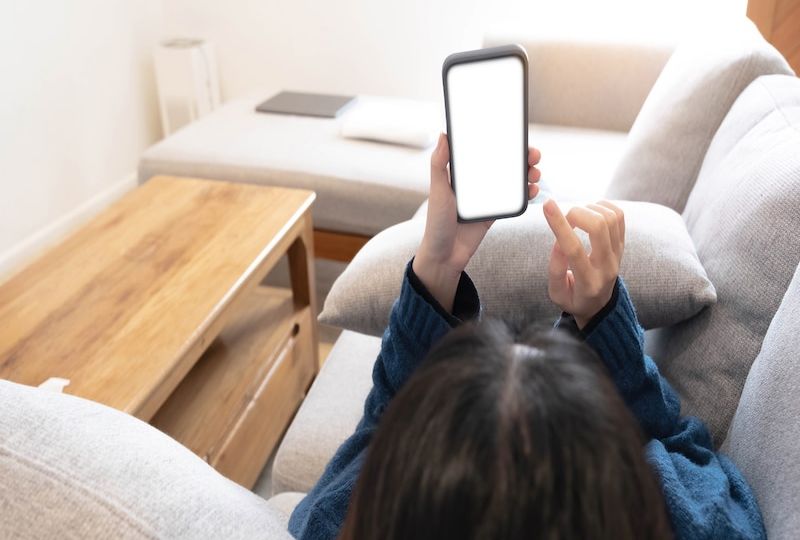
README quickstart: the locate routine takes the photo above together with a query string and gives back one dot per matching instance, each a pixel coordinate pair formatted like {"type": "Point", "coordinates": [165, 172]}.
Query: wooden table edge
{"type": "Point", "coordinates": [148, 404]}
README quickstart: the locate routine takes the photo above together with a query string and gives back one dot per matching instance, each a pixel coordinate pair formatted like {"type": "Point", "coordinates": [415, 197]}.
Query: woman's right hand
{"type": "Point", "coordinates": [582, 283]}
{"type": "Point", "coordinates": [447, 245]}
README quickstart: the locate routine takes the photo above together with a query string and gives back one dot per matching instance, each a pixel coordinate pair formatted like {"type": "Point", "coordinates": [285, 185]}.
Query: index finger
{"type": "Point", "coordinates": [568, 241]}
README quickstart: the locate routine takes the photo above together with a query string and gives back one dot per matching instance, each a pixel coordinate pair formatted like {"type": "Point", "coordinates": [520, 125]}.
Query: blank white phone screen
{"type": "Point", "coordinates": [487, 129]}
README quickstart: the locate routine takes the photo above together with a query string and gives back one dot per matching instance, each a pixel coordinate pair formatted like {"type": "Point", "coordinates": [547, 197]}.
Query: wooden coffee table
{"type": "Point", "coordinates": [155, 308]}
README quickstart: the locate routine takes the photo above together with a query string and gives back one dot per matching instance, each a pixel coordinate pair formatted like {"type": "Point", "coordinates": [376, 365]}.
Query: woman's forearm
{"type": "Point", "coordinates": [414, 325]}
{"type": "Point", "coordinates": [619, 340]}
{"type": "Point", "coordinates": [439, 280]}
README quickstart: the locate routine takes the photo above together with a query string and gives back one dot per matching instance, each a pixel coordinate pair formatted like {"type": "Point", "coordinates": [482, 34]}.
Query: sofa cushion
{"type": "Point", "coordinates": [285, 503]}
{"type": "Point", "coordinates": [362, 187]}
{"type": "Point", "coordinates": [70, 468]}
{"type": "Point", "coordinates": [766, 427]}
{"type": "Point", "coordinates": [660, 267]}
{"type": "Point", "coordinates": [577, 163]}
{"type": "Point", "coordinates": [585, 82]}
{"type": "Point", "coordinates": [332, 409]}
{"type": "Point", "coordinates": [692, 95]}
{"type": "Point", "coordinates": [743, 216]}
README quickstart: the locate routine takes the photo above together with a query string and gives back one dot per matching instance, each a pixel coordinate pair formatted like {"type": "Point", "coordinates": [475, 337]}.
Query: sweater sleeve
{"type": "Point", "coordinates": [706, 495]}
{"type": "Point", "coordinates": [416, 322]}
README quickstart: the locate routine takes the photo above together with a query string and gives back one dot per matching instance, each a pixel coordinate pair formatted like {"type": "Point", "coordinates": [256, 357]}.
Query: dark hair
{"type": "Point", "coordinates": [494, 437]}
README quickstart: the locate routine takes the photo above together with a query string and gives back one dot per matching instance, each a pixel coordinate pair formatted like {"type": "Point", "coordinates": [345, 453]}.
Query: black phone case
{"type": "Point", "coordinates": [477, 56]}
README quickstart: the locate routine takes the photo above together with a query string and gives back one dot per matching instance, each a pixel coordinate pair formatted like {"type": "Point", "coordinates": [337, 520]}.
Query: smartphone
{"type": "Point", "coordinates": [486, 105]}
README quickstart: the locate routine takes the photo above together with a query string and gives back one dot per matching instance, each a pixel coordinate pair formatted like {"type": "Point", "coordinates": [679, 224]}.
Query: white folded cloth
{"type": "Point", "coordinates": [400, 121]}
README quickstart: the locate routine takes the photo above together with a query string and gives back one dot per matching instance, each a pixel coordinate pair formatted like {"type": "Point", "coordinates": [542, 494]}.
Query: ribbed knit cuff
{"type": "Point", "coordinates": [618, 339]}
{"type": "Point", "coordinates": [466, 304]}
{"type": "Point", "coordinates": [421, 317]}
{"type": "Point", "coordinates": [567, 321]}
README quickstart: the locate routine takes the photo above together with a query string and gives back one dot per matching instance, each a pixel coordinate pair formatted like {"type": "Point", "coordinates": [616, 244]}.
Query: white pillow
{"type": "Point", "coordinates": [664, 276]}
{"type": "Point", "coordinates": [400, 121]}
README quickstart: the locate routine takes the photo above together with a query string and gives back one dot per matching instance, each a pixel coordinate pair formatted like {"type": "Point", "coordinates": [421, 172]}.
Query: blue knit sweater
{"type": "Point", "coordinates": [705, 494]}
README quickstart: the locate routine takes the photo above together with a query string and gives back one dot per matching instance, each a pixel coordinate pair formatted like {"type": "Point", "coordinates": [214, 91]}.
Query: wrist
{"type": "Point", "coordinates": [584, 319]}
{"type": "Point", "coordinates": [440, 279]}
{"type": "Point", "coordinates": [440, 258]}
{"type": "Point", "coordinates": [581, 321]}
{"type": "Point", "coordinates": [602, 309]}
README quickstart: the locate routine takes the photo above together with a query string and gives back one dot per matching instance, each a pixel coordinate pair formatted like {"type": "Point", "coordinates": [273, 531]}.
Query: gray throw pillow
{"type": "Point", "coordinates": [744, 218]}
{"type": "Point", "coordinates": [660, 267]}
{"type": "Point", "coordinates": [694, 92]}
{"type": "Point", "coordinates": [766, 428]}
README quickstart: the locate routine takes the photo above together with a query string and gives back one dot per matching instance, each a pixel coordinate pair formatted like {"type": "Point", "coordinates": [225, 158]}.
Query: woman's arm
{"type": "Point", "coordinates": [616, 336]}
{"type": "Point", "coordinates": [436, 294]}
{"type": "Point", "coordinates": [415, 324]}
{"type": "Point", "coordinates": [447, 245]}
{"type": "Point", "coordinates": [705, 494]}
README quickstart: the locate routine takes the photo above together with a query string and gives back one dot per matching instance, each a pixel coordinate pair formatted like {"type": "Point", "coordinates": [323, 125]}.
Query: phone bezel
{"type": "Point", "coordinates": [480, 55]}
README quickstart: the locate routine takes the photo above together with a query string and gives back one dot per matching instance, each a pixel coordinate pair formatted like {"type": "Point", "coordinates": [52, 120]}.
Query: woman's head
{"type": "Point", "coordinates": [497, 437]}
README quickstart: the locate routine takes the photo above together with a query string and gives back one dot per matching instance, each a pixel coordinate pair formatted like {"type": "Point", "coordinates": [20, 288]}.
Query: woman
{"type": "Point", "coordinates": [481, 433]}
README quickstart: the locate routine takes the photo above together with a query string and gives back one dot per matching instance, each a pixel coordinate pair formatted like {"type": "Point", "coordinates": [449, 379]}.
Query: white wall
{"type": "Point", "coordinates": [77, 107]}
{"type": "Point", "coordinates": [396, 47]}
{"type": "Point", "coordinates": [646, 21]}
{"type": "Point", "coordinates": [351, 46]}
{"type": "Point", "coordinates": [78, 99]}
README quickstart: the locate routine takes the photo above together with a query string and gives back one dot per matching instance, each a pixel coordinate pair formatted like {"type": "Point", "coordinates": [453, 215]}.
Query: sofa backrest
{"type": "Point", "coordinates": [704, 76]}
{"type": "Point", "coordinates": [588, 84]}
{"type": "Point", "coordinates": [744, 216]}
{"type": "Point", "coordinates": [71, 468]}
{"type": "Point", "coordinates": [764, 435]}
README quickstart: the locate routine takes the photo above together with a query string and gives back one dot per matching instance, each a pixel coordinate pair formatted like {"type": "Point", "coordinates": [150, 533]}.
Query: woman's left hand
{"type": "Point", "coordinates": [582, 283]}
{"type": "Point", "coordinates": [447, 245]}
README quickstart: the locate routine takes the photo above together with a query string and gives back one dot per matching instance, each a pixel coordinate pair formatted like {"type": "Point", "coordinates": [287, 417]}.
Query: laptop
{"type": "Point", "coordinates": [320, 105]}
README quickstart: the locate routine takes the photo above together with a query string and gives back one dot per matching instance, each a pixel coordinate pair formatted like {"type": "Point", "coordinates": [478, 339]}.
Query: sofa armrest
{"type": "Point", "coordinates": [73, 468]}
{"type": "Point", "coordinates": [589, 84]}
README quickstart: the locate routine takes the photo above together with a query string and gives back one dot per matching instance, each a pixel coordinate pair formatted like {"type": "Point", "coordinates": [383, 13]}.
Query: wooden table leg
{"type": "Point", "coordinates": [301, 275]}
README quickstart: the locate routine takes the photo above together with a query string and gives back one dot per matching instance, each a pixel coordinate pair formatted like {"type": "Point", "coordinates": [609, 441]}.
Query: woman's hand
{"type": "Point", "coordinates": [581, 283]}
{"type": "Point", "coordinates": [448, 245]}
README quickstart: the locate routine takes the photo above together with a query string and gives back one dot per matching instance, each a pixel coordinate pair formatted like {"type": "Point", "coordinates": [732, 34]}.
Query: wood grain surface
{"type": "Point", "coordinates": [125, 306]}
{"type": "Point", "coordinates": [214, 393]}
{"type": "Point", "coordinates": [248, 445]}
{"type": "Point", "coordinates": [337, 246]}
{"type": "Point", "coordinates": [779, 23]}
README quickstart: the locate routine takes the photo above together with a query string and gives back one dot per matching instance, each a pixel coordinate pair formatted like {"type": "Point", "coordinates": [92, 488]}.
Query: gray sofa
{"type": "Point", "coordinates": [585, 99]}
{"type": "Point", "coordinates": [71, 468]}
{"type": "Point", "coordinates": [735, 363]}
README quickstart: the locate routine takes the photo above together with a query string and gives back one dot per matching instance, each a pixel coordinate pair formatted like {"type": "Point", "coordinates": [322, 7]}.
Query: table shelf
{"type": "Point", "coordinates": [241, 393]}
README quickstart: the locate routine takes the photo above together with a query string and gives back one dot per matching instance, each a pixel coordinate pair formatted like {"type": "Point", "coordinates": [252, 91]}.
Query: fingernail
{"type": "Point", "coordinates": [548, 209]}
